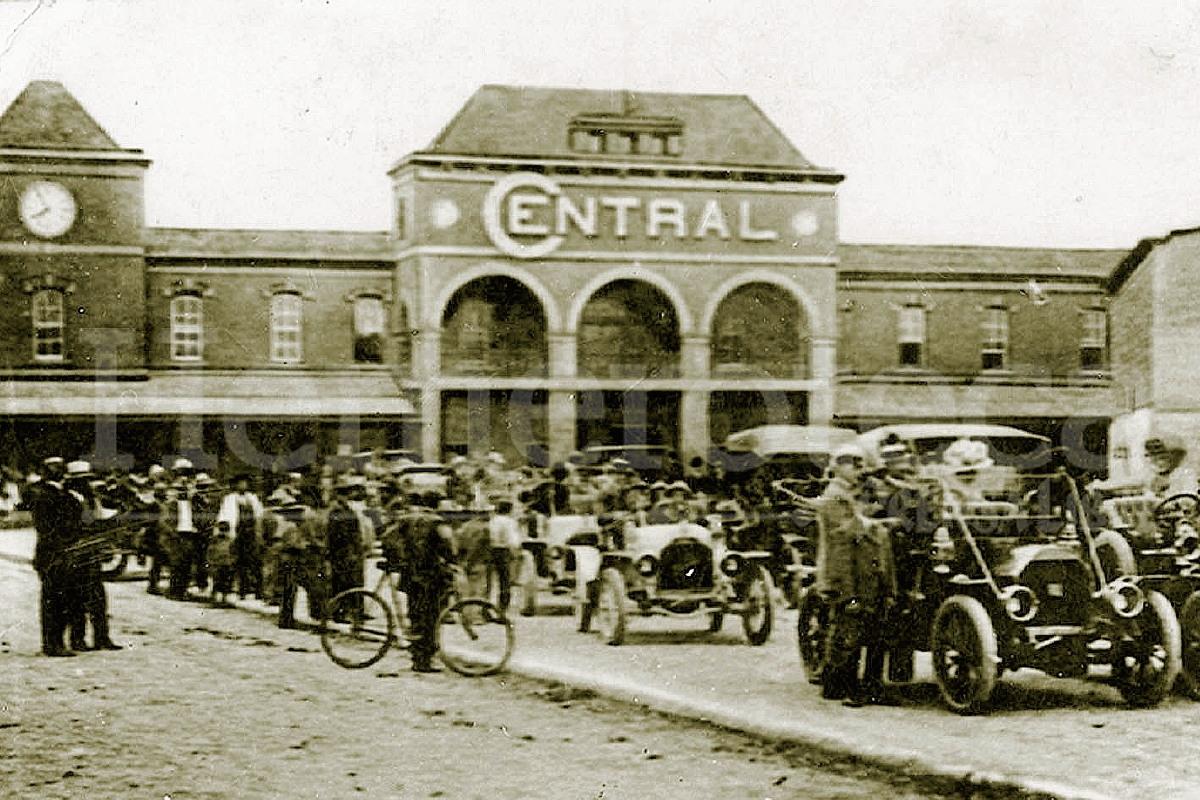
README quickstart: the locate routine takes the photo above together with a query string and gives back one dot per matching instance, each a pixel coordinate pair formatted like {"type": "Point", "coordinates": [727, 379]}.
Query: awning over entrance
{"type": "Point", "coordinates": [218, 394]}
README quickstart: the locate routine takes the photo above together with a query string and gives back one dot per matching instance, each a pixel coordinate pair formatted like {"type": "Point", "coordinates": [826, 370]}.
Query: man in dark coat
{"type": "Point", "coordinates": [301, 561]}
{"type": "Point", "coordinates": [424, 574]}
{"type": "Point", "coordinates": [857, 578]}
{"type": "Point", "coordinates": [85, 532]}
{"type": "Point", "coordinates": [49, 508]}
{"type": "Point", "coordinates": [348, 530]}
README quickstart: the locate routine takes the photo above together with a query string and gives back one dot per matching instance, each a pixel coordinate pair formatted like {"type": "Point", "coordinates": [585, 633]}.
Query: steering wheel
{"type": "Point", "coordinates": [1175, 508]}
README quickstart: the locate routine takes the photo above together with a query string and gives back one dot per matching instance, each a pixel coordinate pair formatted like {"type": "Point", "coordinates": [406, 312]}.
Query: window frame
{"type": "Point", "coordinates": [181, 326]}
{"type": "Point", "coordinates": [911, 332]}
{"type": "Point", "coordinates": [363, 353]}
{"type": "Point", "coordinates": [39, 323]}
{"type": "Point", "coordinates": [995, 337]}
{"type": "Point", "coordinates": [1093, 339]}
{"type": "Point", "coordinates": [290, 320]}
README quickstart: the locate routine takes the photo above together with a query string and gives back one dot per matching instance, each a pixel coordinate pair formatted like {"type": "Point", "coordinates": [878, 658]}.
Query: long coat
{"type": "Point", "coordinates": [854, 554]}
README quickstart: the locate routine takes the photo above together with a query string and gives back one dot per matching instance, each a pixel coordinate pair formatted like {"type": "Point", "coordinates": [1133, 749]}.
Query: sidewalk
{"type": "Point", "coordinates": [739, 712]}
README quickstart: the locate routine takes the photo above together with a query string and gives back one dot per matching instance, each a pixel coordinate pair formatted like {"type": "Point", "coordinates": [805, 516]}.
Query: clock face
{"type": "Point", "coordinates": [47, 209]}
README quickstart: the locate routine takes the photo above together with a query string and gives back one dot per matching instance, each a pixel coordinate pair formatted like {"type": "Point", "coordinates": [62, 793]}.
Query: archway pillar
{"type": "Point", "coordinates": [426, 368]}
{"type": "Point", "coordinates": [562, 354]}
{"type": "Point", "coordinates": [824, 369]}
{"type": "Point", "coordinates": [695, 357]}
{"type": "Point", "coordinates": [561, 423]}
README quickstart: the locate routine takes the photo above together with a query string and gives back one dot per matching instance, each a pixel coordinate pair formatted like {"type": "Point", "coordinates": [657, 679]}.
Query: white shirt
{"type": "Point", "coordinates": [504, 531]}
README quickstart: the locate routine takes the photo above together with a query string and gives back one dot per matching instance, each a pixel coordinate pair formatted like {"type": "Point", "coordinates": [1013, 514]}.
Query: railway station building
{"type": "Point", "coordinates": [565, 268]}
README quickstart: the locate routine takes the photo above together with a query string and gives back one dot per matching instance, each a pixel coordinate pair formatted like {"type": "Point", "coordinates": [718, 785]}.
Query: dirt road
{"type": "Point", "coordinates": [206, 703]}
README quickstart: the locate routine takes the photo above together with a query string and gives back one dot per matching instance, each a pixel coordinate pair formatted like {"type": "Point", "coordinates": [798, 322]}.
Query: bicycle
{"type": "Point", "coordinates": [474, 638]}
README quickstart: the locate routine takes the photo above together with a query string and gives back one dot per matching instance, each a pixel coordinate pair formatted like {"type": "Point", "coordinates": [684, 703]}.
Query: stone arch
{"type": "Point", "coordinates": [631, 273]}
{"type": "Point", "coordinates": [494, 326]}
{"type": "Point", "coordinates": [628, 328]}
{"type": "Point", "coordinates": [437, 309]}
{"type": "Point", "coordinates": [817, 322]}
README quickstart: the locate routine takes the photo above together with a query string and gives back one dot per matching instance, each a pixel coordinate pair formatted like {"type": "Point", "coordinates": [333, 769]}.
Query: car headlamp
{"type": "Point", "coordinates": [647, 566]}
{"type": "Point", "coordinates": [732, 564]}
{"type": "Point", "coordinates": [1126, 597]}
{"type": "Point", "coordinates": [1020, 603]}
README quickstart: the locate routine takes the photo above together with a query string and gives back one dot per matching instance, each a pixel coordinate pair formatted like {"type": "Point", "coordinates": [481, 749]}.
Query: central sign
{"type": "Point", "coordinates": [527, 215]}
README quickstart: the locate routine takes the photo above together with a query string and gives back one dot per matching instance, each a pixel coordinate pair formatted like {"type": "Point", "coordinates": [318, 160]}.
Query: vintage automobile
{"type": "Point", "coordinates": [788, 462]}
{"type": "Point", "coordinates": [1011, 581]}
{"type": "Point", "coordinates": [548, 561]}
{"type": "Point", "coordinates": [1156, 540]}
{"type": "Point", "coordinates": [679, 569]}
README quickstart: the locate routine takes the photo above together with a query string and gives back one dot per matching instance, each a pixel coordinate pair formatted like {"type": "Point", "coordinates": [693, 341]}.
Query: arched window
{"type": "Point", "coordinates": [286, 328]}
{"type": "Point", "coordinates": [47, 315]}
{"type": "Point", "coordinates": [187, 328]}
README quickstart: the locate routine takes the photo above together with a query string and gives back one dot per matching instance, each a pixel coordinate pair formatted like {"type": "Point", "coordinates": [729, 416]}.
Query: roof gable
{"type": "Point", "coordinates": [518, 121]}
{"type": "Point", "coordinates": [46, 116]}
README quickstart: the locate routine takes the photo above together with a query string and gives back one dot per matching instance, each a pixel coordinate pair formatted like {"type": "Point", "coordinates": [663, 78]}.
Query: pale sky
{"type": "Point", "coordinates": [1059, 123]}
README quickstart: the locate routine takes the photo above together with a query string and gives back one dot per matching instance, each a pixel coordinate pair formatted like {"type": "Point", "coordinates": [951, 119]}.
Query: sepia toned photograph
{"type": "Point", "coordinates": [696, 399]}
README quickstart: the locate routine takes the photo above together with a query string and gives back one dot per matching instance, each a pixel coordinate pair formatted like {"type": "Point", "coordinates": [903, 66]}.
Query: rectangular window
{"type": "Point", "coordinates": [911, 335]}
{"type": "Point", "coordinates": [286, 328]}
{"type": "Point", "coordinates": [48, 317]}
{"type": "Point", "coordinates": [1094, 342]}
{"type": "Point", "coordinates": [187, 328]}
{"type": "Point", "coordinates": [368, 330]}
{"type": "Point", "coordinates": [995, 337]}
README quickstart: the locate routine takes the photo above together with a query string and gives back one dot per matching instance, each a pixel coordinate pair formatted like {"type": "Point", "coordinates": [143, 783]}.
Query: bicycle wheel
{"type": "Point", "coordinates": [358, 629]}
{"type": "Point", "coordinates": [474, 638]}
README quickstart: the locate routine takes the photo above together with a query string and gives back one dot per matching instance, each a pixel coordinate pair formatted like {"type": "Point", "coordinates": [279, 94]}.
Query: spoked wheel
{"type": "Point", "coordinates": [811, 631]}
{"type": "Point", "coordinates": [358, 629]}
{"type": "Point", "coordinates": [1189, 629]}
{"type": "Point", "coordinates": [1115, 555]}
{"type": "Point", "coordinates": [114, 566]}
{"type": "Point", "coordinates": [759, 614]}
{"type": "Point", "coordinates": [1147, 661]}
{"type": "Point", "coordinates": [965, 656]}
{"type": "Point", "coordinates": [474, 638]}
{"type": "Point", "coordinates": [609, 613]}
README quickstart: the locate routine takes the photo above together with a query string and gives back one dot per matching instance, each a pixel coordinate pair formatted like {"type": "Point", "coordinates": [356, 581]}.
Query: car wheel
{"type": "Point", "coordinates": [1189, 630]}
{"type": "Point", "coordinates": [759, 613]}
{"type": "Point", "coordinates": [1147, 663]}
{"type": "Point", "coordinates": [965, 656]}
{"type": "Point", "coordinates": [715, 620]}
{"type": "Point", "coordinates": [1115, 555]}
{"type": "Point", "coordinates": [811, 631]}
{"type": "Point", "coordinates": [610, 606]}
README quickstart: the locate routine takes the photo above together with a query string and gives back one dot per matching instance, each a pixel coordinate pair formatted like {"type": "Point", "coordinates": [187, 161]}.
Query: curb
{"type": "Point", "coordinates": [963, 778]}
{"type": "Point", "coordinates": [966, 780]}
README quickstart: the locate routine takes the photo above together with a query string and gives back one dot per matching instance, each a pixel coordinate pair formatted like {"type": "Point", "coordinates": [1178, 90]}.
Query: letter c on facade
{"type": "Point", "coordinates": [493, 215]}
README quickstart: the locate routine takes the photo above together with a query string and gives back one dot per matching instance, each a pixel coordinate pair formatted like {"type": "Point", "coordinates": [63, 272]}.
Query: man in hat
{"type": "Point", "coordinates": [49, 508]}
{"type": "Point", "coordinates": [301, 563]}
{"type": "Point", "coordinates": [856, 577]}
{"type": "Point", "coordinates": [242, 512]}
{"type": "Point", "coordinates": [179, 526]}
{"type": "Point", "coordinates": [965, 459]}
{"type": "Point", "coordinates": [425, 555]}
{"type": "Point", "coordinates": [350, 533]}
{"type": "Point", "coordinates": [504, 534]}
{"type": "Point", "coordinates": [82, 527]}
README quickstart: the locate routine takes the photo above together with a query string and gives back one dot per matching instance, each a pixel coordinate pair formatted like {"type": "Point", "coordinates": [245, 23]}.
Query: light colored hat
{"type": "Point", "coordinates": [679, 486]}
{"type": "Point", "coordinates": [967, 455]}
{"type": "Point", "coordinates": [281, 497]}
{"type": "Point", "coordinates": [204, 479]}
{"type": "Point", "coordinates": [351, 480]}
{"type": "Point", "coordinates": [182, 465]}
{"type": "Point", "coordinates": [53, 460]}
{"type": "Point", "coordinates": [79, 469]}
{"type": "Point", "coordinates": [156, 471]}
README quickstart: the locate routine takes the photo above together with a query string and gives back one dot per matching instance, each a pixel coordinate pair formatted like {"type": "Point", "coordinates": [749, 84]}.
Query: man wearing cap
{"type": "Point", "coordinates": [856, 576]}
{"type": "Point", "coordinates": [178, 527]}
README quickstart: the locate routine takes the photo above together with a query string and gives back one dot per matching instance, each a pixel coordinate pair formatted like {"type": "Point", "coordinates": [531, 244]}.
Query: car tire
{"type": "Point", "coordinates": [757, 621]}
{"type": "Point", "coordinates": [609, 611]}
{"type": "Point", "coordinates": [811, 630]}
{"type": "Point", "coordinates": [1145, 674]}
{"type": "Point", "coordinates": [965, 654]}
{"type": "Point", "coordinates": [1189, 630]}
